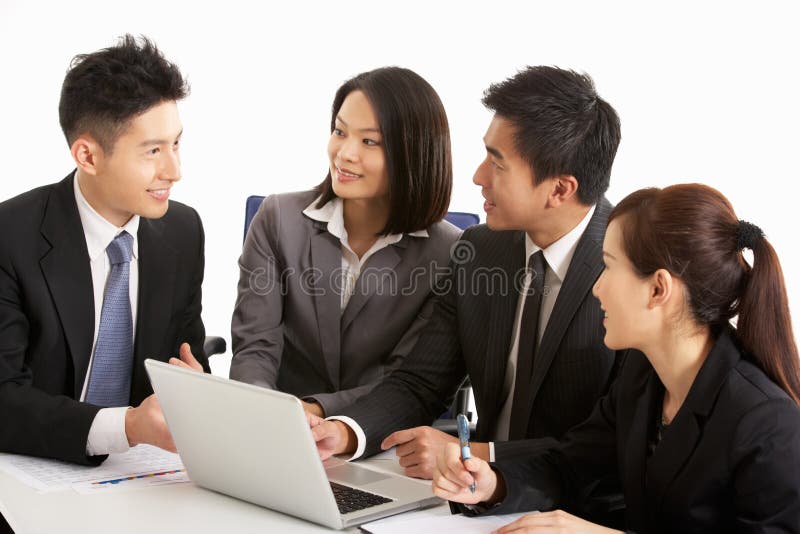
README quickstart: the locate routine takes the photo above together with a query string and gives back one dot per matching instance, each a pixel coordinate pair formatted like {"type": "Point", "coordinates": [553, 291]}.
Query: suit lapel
{"type": "Point", "coordinates": [66, 269]}
{"type": "Point", "coordinates": [585, 267]}
{"type": "Point", "coordinates": [326, 257]}
{"type": "Point", "coordinates": [635, 445]}
{"type": "Point", "coordinates": [510, 258]}
{"type": "Point", "coordinates": [157, 272]}
{"type": "Point", "coordinates": [677, 444]}
{"type": "Point", "coordinates": [681, 437]}
{"type": "Point", "coordinates": [377, 276]}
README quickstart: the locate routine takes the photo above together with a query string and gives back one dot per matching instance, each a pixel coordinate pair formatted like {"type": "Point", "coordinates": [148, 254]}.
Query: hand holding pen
{"type": "Point", "coordinates": [466, 480]}
{"type": "Point", "coordinates": [463, 442]}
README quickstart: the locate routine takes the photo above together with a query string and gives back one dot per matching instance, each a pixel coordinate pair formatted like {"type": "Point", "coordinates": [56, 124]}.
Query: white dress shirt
{"type": "Point", "coordinates": [107, 433]}
{"type": "Point", "coordinates": [332, 213]}
{"type": "Point", "coordinates": [557, 257]}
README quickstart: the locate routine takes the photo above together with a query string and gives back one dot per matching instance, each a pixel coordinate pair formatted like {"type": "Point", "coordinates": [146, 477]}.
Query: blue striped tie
{"type": "Point", "coordinates": [110, 379]}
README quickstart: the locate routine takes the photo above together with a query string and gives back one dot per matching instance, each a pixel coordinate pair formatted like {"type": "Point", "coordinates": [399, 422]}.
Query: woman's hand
{"type": "Point", "coordinates": [452, 478]}
{"type": "Point", "coordinates": [557, 522]}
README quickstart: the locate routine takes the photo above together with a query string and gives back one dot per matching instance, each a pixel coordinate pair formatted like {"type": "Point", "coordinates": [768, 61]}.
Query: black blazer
{"type": "Point", "coordinates": [728, 462]}
{"type": "Point", "coordinates": [47, 315]}
{"type": "Point", "coordinates": [470, 333]}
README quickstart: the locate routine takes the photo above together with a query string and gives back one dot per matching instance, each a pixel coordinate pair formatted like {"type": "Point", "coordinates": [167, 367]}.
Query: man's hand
{"type": "Point", "coordinates": [146, 424]}
{"type": "Point", "coordinates": [313, 408]}
{"type": "Point", "coordinates": [556, 521]}
{"type": "Point", "coordinates": [332, 437]}
{"type": "Point", "coordinates": [452, 478]}
{"type": "Point", "coordinates": [418, 448]}
{"type": "Point", "coordinates": [187, 359]}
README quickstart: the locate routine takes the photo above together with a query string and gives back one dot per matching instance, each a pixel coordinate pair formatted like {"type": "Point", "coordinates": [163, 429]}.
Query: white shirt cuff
{"type": "Point", "coordinates": [107, 433]}
{"type": "Point", "coordinates": [359, 432]}
{"type": "Point", "coordinates": [491, 451]}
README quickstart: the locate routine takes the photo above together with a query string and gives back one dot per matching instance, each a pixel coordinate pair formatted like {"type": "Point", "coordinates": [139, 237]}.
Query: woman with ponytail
{"type": "Point", "coordinates": [702, 425]}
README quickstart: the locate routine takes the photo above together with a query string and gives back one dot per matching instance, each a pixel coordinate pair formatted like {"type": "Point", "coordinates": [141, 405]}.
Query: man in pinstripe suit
{"type": "Point", "coordinates": [537, 366]}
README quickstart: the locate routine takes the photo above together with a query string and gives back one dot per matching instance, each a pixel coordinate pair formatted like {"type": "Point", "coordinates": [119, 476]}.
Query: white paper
{"type": "Point", "coordinates": [54, 475]}
{"type": "Point", "coordinates": [439, 520]}
{"type": "Point", "coordinates": [142, 480]}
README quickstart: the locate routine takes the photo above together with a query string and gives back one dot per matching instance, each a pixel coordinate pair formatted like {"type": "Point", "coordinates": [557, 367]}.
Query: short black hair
{"type": "Point", "coordinates": [416, 140]}
{"type": "Point", "coordinates": [104, 90]}
{"type": "Point", "coordinates": [562, 126]}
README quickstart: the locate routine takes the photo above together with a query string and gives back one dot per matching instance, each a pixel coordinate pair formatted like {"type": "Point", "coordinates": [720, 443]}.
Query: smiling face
{"type": "Point", "coordinates": [624, 296]}
{"type": "Point", "coordinates": [356, 152]}
{"type": "Point", "coordinates": [513, 200]}
{"type": "Point", "coordinates": [135, 179]}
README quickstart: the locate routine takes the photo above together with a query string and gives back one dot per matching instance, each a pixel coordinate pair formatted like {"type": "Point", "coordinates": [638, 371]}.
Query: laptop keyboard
{"type": "Point", "coordinates": [351, 499]}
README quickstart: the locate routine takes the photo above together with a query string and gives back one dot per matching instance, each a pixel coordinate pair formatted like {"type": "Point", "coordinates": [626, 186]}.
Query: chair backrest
{"type": "Point", "coordinates": [462, 219]}
{"type": "Point", "coordinates": [458, 218]}
{"type": "Point", "coordinates": [250, 208]}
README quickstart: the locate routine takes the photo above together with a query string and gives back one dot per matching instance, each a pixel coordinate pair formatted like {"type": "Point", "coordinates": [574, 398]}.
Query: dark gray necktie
{"type": "Point", "coordinates": [528, 336]}
{"type": "Point", "coordinates": [110, 378]}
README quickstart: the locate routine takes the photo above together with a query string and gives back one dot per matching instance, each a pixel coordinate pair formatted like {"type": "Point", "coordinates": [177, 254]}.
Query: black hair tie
{"type": "Point", "coordinates": [749, 235]}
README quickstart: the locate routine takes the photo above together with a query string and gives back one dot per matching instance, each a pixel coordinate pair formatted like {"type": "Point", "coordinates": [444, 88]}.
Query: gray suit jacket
{"type": "Point", "coordinates": [289, 331]}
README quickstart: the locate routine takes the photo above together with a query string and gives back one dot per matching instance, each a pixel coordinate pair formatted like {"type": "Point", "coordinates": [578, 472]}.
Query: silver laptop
{"type": "Point", "coordinates": [254, 444]}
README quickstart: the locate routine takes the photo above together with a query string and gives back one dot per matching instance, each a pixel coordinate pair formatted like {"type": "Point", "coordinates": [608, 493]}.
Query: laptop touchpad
{"type": "Point", "coordinates": [354, 475]}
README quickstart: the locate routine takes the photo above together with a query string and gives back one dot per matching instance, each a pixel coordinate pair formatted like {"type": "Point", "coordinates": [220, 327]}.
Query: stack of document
{"type": "Point", "coordinates": [141, 466]}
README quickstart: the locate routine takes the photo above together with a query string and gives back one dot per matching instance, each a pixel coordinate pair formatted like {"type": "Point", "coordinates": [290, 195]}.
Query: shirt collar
{"type": "Point", "coordinates": [98, 231]}
{"type": "Point", "coordinates": [332, 213]}
{"type": "Point", "coordinates": [559, 254]}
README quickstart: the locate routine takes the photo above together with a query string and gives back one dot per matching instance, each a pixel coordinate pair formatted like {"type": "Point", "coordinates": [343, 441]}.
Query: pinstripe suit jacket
{"type": "Point", "coordinates": [470, 333]}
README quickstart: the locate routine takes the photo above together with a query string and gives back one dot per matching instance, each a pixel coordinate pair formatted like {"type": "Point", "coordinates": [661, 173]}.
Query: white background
{"type": "Point", "coordinates": [706, 91]}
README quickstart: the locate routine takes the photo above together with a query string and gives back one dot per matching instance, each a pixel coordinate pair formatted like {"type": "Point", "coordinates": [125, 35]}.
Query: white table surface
{"type": "Point", "coordinates": [174, 508]}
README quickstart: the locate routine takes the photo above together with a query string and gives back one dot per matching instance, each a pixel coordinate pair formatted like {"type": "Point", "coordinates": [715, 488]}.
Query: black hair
{"type": "Point", "coordinates": [416, 140]}
{"type": "Point", "coordinates": [562, 126]}
{"type": "Point", "coordinates": [104, 90]}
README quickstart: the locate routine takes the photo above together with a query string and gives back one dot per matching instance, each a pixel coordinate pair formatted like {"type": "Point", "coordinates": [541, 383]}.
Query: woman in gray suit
{"type": "Point", "coordinates": [702, 424]}
{"type": "Point", "coordinates": [336, 283]}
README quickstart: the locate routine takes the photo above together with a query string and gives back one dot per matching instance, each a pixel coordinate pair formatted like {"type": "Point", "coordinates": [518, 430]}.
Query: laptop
{"type": "Point", "coordinates": [254, 444]}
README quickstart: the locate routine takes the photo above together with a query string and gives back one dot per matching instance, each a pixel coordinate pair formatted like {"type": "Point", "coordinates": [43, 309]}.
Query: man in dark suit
{"type": "Point", "coordinates": [100, 270]}
{"type": "Point", "coordinates": [530, 340]}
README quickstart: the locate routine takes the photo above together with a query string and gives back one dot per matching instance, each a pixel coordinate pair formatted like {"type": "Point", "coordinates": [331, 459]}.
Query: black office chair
{"type": "Point", "coordinates": [214, 345]}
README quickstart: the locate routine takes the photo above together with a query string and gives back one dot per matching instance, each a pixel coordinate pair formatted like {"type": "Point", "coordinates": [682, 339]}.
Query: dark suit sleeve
{"type": "Point", "coordinates": [765, 462]}
{"type": "Point", "coordinates": [418, 391]}
{"type": "Point", "coordinates": [32, 421]}
{"type": "Point", "coordinates": [555, 476]}
{"type": "Point", "coordinates": [192, 329]}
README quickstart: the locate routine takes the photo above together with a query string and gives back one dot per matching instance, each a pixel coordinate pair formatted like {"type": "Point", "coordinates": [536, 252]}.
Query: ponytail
{"type": "Point", "coordinates": [692, 231]}
{"type": "Point", "coordinates": [764, 327]}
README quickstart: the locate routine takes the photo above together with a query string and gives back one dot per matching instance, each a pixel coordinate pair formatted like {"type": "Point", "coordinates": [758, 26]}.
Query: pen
{"type": "Point", "coordinates": [463, 438]}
